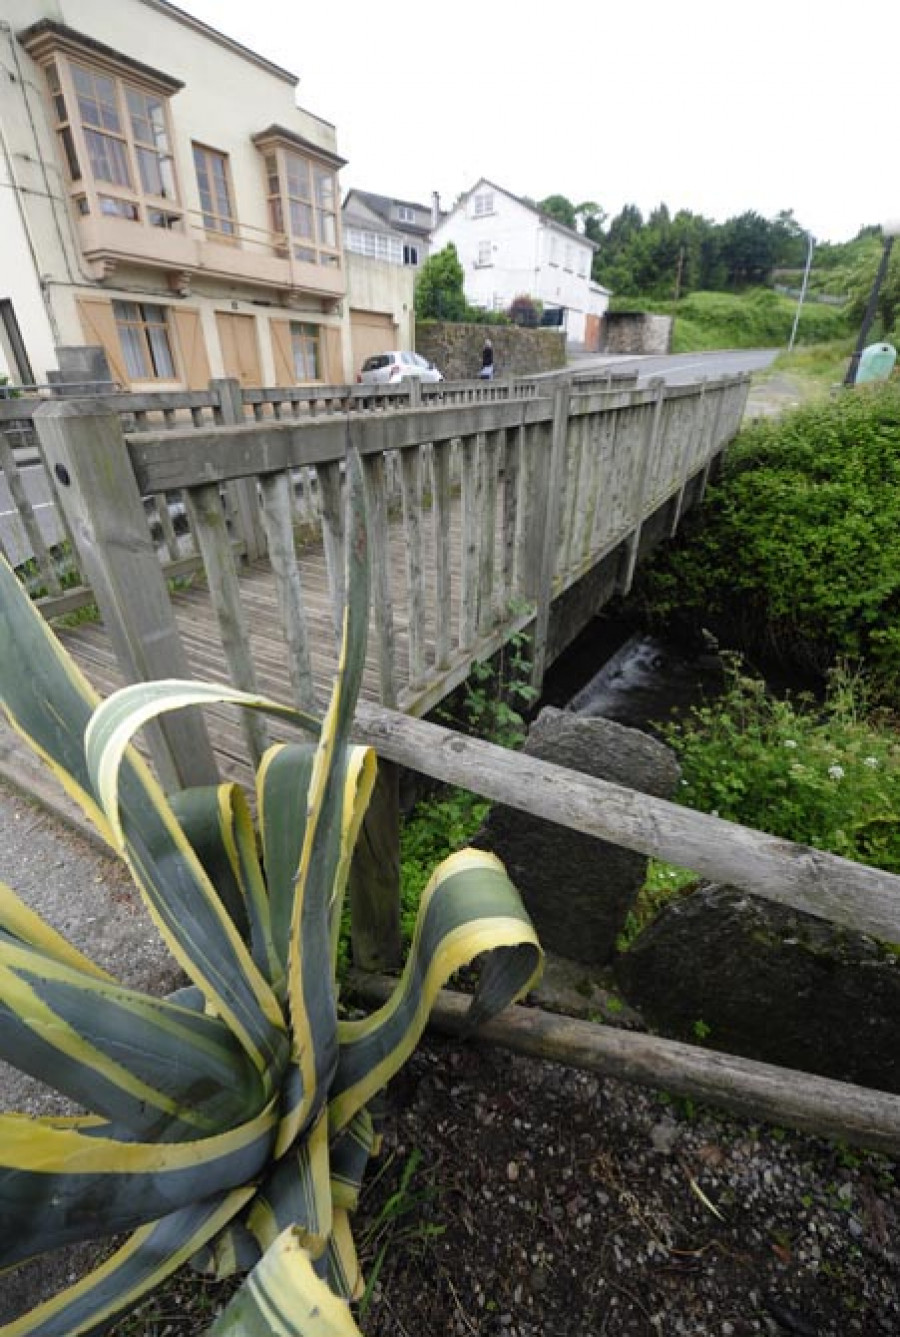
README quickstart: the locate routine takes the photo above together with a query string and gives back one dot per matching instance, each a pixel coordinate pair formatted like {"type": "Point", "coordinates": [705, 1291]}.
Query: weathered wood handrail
{"type": "Point", "coordinates": [805, 879]}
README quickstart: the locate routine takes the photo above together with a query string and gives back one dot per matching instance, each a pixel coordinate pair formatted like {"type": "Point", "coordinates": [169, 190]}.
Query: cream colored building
{"type": "Point", "coordinates": [162, 195]}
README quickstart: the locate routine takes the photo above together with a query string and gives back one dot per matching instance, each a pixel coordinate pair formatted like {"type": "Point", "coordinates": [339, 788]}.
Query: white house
{"type": "Point", "coordinates": [508, 248]}
{"type": "Point", "coordinates": [163, 196]}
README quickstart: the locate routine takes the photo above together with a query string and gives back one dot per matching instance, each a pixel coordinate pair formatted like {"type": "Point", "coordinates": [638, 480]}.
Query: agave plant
{"type": "Point", "coordinates": [226, 1124]}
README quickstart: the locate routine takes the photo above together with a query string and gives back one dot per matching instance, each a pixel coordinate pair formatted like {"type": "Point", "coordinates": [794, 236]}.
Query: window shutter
{"type": "Point", "coordinates": [283, 353]}
{"type": "Point", "coordinates": [99, 325]}
{"type": "Point", "coordinates": [191, 347]}
{"type": "Point", "coordinates": [332, 358]}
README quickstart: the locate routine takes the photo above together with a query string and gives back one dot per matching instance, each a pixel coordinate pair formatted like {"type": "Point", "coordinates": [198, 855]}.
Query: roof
{"type": "Point", "coordinates": [382, 205]}
{"type": "Point", "coordinates": [547, 219]}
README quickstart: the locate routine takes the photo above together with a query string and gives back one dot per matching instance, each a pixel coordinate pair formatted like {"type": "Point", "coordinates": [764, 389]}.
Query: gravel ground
{"type": "Point", "coordinates": [520, 1198]}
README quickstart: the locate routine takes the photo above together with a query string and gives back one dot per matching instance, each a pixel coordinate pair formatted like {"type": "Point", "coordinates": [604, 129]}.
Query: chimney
{"type": "Point", "coordinates": [435, 209]}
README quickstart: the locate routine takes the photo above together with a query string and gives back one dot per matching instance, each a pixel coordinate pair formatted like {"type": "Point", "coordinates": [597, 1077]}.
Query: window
{"type": "Point", "coordinates": [582, 265]}
{"type": "Point", "coordinates": [410, 255]}
{"type": "Point", "coordinates": [377, 246]}
{"type": "Point", "coordinates": [151, 143]}
{"type": "Point", "coordinates": [405, 214]}
{"type": "Point", "coordinates": [567, 261]}
{"type": "Point", "coordinates": [215, 191]}
{"type": "Point", "coordinates": [554, 249]}
{"type": "Point", "coordinates": [107, 147]}
{"type": "Point", "coordinates": [114, 135]}
{"type": "Point", "coordinates": [144, 336]}
{"type": "Point", "coordinates": [306, 351]}
{"type": "Point", "coordinates": [483, 203]}
{"type": "Point", "coordinates": [484, 253]}
{"type": "Point", "coordinates": [302, 196]}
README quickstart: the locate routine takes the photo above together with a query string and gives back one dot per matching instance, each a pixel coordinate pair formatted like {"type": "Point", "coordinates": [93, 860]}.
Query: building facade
{"type": "Point", "coordinates": [382, 228]}
{"type": "Point", "coordinates": [165, 199]}
{"type": "Point", "coordinates": [509, 248]}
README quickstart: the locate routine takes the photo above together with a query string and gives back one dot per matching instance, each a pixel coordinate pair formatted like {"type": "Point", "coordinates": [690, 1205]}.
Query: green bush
{"type": "Point", "coordinates": [796, 550]}
{"type": "Point", "coordinates": [822, 775]}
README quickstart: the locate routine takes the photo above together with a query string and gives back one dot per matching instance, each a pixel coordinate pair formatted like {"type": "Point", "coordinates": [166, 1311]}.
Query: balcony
{"type": "Point", "coordinates": [252, 255]}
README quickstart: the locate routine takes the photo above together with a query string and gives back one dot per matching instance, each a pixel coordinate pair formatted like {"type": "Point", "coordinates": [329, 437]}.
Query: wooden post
{"type": "Point", "coordinates": [553, 502]}
{"type": "Point", "coordinates": [375, 877]}
{"type": "Point", "coordinates": [85, 450]}
{"type": "Point", "coordinates": [242, 492]}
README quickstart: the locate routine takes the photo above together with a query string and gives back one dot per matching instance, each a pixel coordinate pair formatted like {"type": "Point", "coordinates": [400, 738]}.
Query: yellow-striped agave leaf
{"type": "Point", "coordinates": [120, 1053]}
{"type": "Point", "coordinates": [469, 907]}
{"type": "Point", "coordinates": [45, 696]}
{"type": "Point", "coordinates": [284, 1297]}
{"type": "Point", "coordinates": [332, 820]}
{"type": "Point", "coordinates": [179, 896]}
{"type": "Point", "coordinates": [219, 827]}
{"type": "Point", "coordinates": [148, 1257]}
{"type": "Point", "coordinates": [65, 1184]}
{"type": "Point", "coordinates": [19, 923]}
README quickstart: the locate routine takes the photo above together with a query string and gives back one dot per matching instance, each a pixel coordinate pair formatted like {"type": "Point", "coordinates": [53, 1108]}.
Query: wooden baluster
{"type": "Point", "coordinates": [471, 508]}
{"type": "Point", "coordinates": [277, 514]}
{"type": "Point", "coordinates": [211, 531]}
{"type": "Point", "coordinates": [330, 494]}
{"type": "Point", "coordinates": [487, 600]}
{"type": "Point", "coordinates": [440, 511]}
{"type": "Point", "coordinates": [411, 489]}
{"type": "Point", "coordinates": [379, 549]}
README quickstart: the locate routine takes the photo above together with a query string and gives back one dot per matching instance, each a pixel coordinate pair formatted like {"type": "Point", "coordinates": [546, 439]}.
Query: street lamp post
{"type": "Point", "coordinates": [811, 245]}
{"type": "Point", "coordinates": [889, 231]}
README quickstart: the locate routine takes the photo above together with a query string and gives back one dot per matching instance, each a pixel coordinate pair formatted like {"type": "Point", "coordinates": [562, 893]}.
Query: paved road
{"type": "Point", "coordinates": [677, 368]}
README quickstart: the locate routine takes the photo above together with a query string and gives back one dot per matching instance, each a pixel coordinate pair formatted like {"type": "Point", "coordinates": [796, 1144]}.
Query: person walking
{"type": "Point", "coordinates": [487, 361]}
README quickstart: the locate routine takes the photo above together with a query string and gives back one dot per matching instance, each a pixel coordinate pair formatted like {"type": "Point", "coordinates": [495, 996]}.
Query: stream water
{"type": "Point", "coordinates": [630, 676]}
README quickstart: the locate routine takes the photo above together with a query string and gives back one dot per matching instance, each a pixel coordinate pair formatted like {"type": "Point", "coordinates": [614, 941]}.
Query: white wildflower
{"type": "Point", "coordinates": [871, 762]}
{"type": "Point", "coordinates": [836, 772]}
{"type": "Point", "coordinates": [790, 742]}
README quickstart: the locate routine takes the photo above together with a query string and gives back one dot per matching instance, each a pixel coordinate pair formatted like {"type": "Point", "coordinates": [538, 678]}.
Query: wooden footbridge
{"type": "Point", "coordinates": [208, 529]}
{"type": "Point", "coordinates": [519, 511]}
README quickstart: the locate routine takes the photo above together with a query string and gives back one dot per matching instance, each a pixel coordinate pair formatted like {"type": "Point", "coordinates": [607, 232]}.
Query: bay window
{"type": "Point", "coordinates": [111, 117]}
{"type": "Point", "coordinates": [301, 189]}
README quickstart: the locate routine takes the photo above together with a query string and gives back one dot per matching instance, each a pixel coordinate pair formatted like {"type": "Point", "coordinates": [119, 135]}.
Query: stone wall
{"type": "Point", "coordinates": [636, 332]}
{"type": "Point", "coordinates": [456, 348]}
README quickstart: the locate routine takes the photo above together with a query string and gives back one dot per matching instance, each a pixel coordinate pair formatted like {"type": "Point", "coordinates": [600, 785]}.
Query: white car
{"type": "Point", "coordinates": [394, 367]}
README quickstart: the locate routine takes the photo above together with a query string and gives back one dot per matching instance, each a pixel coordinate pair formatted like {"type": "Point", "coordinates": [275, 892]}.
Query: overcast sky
{"type": "Point", "coordinates": [707, 105]}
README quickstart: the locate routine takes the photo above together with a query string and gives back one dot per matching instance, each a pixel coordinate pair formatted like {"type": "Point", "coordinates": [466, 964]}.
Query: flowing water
{"type": "Point", "coordinates": [631, 676]}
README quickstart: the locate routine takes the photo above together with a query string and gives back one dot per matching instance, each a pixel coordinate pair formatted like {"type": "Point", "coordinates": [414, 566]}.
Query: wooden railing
{"type": "Point", "coordinates": [35, 531]}
{"type": "Point", "coordinates": [548, 486]}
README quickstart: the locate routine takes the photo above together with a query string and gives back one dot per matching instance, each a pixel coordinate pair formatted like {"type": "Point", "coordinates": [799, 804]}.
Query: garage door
{"type": "Point", "coordinates": [370, 332]}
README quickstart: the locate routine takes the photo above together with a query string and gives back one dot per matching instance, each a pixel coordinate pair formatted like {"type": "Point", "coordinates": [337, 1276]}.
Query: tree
{"type": "Point", "coordinates": [560, 208]}
{"type": "Point", "coordinates": [439, 287]}
{"type": "Point", "coordinates": [592, 217]}
{"type": "Point", "coordinates": [749, 249]}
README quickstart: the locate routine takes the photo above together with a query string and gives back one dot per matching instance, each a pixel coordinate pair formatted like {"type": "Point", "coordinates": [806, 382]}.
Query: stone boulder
{"type": "Point", "coordinates": [579, 890]}
{"type": "Point", "coordinates": [752, 978]}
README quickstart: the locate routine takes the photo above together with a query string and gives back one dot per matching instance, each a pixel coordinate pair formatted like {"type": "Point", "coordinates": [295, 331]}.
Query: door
{"type": "Point", "coordinates": [370, 332]}
{"type": "Point", "coordinates": [240, 350]}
